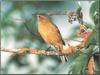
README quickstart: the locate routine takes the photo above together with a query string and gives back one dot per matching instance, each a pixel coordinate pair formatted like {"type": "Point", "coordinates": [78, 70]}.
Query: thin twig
{"type": "Point", "coordinates": [68, 39]}
{"type": "Point", "coordinates": [51, 13]}
{"type": "Point", "coordinates": [25, 22]}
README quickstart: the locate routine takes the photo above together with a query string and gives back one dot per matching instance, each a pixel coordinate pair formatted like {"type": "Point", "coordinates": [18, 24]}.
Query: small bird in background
{"type": "Point", "coordinates": [50, 34]}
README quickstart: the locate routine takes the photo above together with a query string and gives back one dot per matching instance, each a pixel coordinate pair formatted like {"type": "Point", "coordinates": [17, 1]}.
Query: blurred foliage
{"type": "Point", "coordinates": [10, 10]}
{"type": "Point", "coordinates": [94, 13]}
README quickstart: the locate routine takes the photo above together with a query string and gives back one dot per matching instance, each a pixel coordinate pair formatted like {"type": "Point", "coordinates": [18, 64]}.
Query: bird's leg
{"type": "Point", "coordinates": [48, 48]}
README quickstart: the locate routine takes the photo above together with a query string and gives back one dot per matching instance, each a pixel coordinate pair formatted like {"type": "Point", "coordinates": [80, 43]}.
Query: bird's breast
{"type": "Point", "coordinates": [48, 33]}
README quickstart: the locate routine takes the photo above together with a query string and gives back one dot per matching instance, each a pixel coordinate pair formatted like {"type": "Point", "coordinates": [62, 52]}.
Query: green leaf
{"type": "Point", "coordinates": [94, 13]}
{"type": "Point", "coordinates": [96, 63]}
{"type": "Point", "coordinates": [78, 65]}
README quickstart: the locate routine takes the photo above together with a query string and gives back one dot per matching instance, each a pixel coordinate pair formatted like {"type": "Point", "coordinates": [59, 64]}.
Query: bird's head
{"type": "Point", "coordinates": [42, 18]}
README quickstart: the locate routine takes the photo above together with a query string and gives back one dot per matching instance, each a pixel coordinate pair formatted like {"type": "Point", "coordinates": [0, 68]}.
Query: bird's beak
{"type": "Point", "coordinates": [38, 16]}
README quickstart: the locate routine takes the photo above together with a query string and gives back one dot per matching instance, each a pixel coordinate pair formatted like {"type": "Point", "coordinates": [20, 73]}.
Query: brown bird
{"type": "Point", "coordinates": [50, 34]}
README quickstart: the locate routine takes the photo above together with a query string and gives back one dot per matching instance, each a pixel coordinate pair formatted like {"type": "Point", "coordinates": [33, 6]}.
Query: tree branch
{"type": "Point", "coordinates": [8, 50]}
{"type": "Point", "coordinates": [68, 50]}
{"type": "Point", "coordinates": [29, 50]}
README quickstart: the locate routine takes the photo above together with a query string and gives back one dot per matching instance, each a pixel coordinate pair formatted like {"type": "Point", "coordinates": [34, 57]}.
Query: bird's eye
{"type": "Point", "coordinates": [39, 16]}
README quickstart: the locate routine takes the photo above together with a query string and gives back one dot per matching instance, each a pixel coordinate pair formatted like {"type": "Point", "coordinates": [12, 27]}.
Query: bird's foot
{"type": "Point", "coordinates": [48, 48]}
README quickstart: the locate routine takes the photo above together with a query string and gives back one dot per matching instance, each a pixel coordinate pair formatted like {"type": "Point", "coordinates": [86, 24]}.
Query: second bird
{"type": "Point", "coordinates": [50, 34]}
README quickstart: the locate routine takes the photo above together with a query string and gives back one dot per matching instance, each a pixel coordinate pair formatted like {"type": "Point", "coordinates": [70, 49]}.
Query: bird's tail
{"type": "Point", "coordinates": [63, 58]}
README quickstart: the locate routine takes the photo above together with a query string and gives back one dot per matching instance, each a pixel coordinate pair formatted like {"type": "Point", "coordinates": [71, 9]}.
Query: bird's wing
{"type": "Point", "coordinates": [59, 34]}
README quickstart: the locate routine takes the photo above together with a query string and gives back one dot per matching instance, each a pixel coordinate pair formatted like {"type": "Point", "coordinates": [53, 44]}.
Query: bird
{"type": "Point", "coordinates": [50, 34]}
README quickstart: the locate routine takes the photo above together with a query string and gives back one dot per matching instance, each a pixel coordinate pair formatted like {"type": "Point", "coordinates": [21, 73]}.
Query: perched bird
{"type": "Point", "coordinates": [50, 34]}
